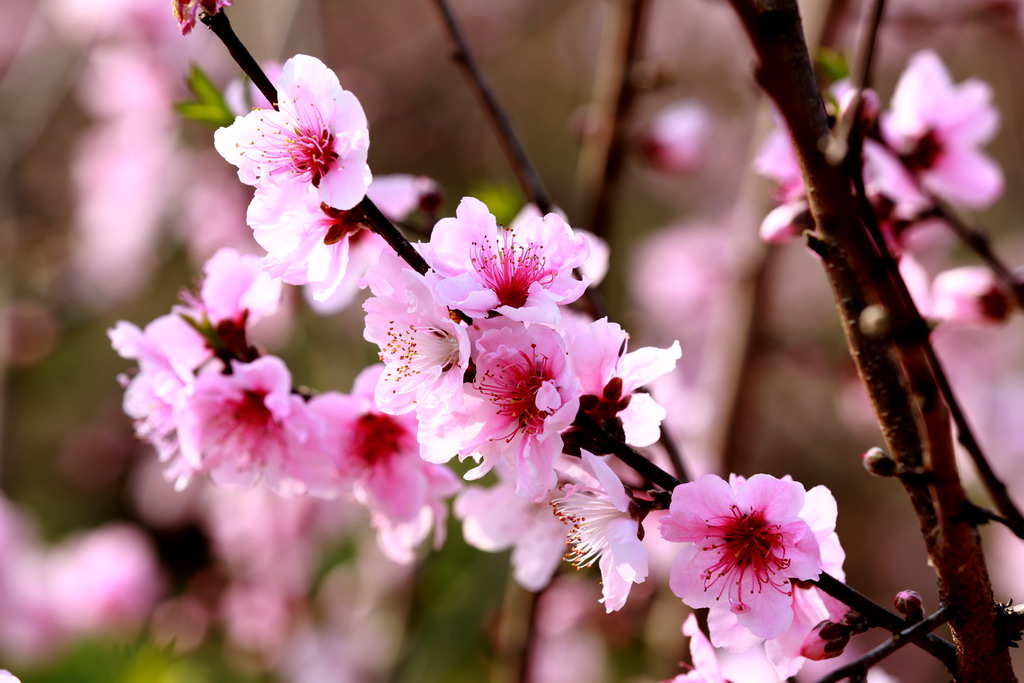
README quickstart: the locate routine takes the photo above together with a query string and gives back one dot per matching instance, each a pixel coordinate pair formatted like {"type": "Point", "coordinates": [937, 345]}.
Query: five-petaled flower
{"type": "Point", "coordinates": [748, 545]}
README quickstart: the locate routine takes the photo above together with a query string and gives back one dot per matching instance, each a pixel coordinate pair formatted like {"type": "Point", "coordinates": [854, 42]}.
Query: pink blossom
{"type": "Point", "coordinates": [749, 544]}
{"type": "Point", "coordinates": [187, 11]}
{"type": "Point", "coordinates": [236, 289]}
{"type": "Point", "coordinates": [610, 377]}
{"type": "Point", "coordinates": [777, 160]}
{"type": "Point", "coordinates": [106, 579]}
{"type": "Point", "coordinates": [970, 294]}
{"type": "Point", "coordinates": [257, 616]}
{"type": "Point", "coordinates": [529, 396]}
{"type": "Point", "coordinates": [595, 267]}
{"type": "Point", "coordinates": [705, 662]}
{"type": "Point", "coordinates": [676, 137]}
{"type": "Point", "coordinates": [605, 529]}
{"type": "Point", "coordinates": [168, 352]}
{"type": "Point", "coordinates": [495, 519]}
{"type": "Point", "coordinates": [307, 242]}
{"type": "Point", "coordinates": [523, 273]}
{"type": "Point", "coordinates": [378, 455]}
{"type": "Point", "coordinates": [364, 250]}
{"type": "Point", "coordinates": [248, 425]}
{"type": "Point", "coordinates": [425, 352]}
{"type": "Point", "coordinates": [937, 127]}
{"type": "Point", "coordinates": [318, 138]}
{"type": "Point", "coordinates": [7, 677]}
{"type": "Point", "coordinates": [400, 194]}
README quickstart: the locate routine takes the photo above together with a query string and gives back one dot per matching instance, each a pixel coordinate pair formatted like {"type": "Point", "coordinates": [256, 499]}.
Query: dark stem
{"type": "Point", "coordinates": [879, 616]}
{"type": "Point", "coordinates": [869, 659]}
{"type": "Point", "coordinates": [527, 175]}
{"type": "Point", "coordinates": [626, 453]}
{"type": "Point", "coordinates": [604, 149]}
{"type": "Point", "coordinates": [219, 24]}
{"type": "Point", "coordinates": [395, 239]}
{"type": "Point", "coordinates": [978, 242]}
{"type": "Point", "coordinates": [529, 646]}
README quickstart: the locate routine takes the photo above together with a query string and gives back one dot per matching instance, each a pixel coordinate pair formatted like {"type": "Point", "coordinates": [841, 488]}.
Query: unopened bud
{"type": "Point", "coordinates": [969, 295]}
{"type": "Point", "coordinates": [910, 605]}
{"type": "Point", "coordinates": [825, 641]}
{"type": "Point", "coordinates": [874, 320]}
{"type": "Point", "coordinates": [878, 462]}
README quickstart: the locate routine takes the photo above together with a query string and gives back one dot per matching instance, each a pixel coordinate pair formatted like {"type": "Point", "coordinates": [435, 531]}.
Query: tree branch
{"type": "Point", "coordinates": [525, 172]}
{"type": "Point", "coordinates": [890, 621]}
{"type": "Point", "coordinates": [859, 278]}
{"type": "Point", "coordinates": [604, 150]}
{"type": "Point", "coordinates": [872, 657]}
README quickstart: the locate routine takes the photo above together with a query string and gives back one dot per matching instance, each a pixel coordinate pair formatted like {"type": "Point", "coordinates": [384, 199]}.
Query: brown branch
{"type": "Point", "coordinates": [525, 172]}
{"type": "Point", "coordinates": [881, 617]}
{"type": "Point", "coordinates": [919, 432]}
{"type": "Point", "coordinates": [626, 453]}
{"type": "Point", "coordinates": [221, 27]}
{"type": "Point", "coordinates": [977, 241]}
{"type": "Point", "coordinates": [869, 659]}
{"type": "Point", "coordinates": [604, 149]}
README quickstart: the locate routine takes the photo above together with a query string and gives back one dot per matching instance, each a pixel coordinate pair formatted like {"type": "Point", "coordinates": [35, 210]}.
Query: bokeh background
{"type": "Point", "coordinates": [110, 202]}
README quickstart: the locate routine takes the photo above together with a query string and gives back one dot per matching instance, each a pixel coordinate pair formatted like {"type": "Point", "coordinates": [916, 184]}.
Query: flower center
{"type": "Point", "coordinates": [414, 349]}
{"type": "Point", "coordinates": [251, 410]}
{"type": "Point", "coordinates": [509, 268]}
{"type": "Point", "coordinates": [304, 149]}
{"type": "Point", "coordinates": [750, 554]}
{"type": "Point", "coordinates": [377, 437]}
{"type": "Point", "coordinates": [588, 514]}
{"type": "Point", "coordinates": [513, 388]}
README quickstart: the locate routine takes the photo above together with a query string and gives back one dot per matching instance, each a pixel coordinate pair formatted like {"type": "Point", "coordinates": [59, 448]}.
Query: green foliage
{"type": "Point", "coordinates": [832, 64]}
{"type": "Point", "coordinates": [504, 201]}
{"type": "Point", "coordinates": [209, 106]}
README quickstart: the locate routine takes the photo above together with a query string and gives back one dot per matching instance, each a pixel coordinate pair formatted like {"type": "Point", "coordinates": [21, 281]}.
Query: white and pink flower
{"type": "Point", "coordinates": [605, 529]}
{"type": "Point", "coordinates": [318, 137]}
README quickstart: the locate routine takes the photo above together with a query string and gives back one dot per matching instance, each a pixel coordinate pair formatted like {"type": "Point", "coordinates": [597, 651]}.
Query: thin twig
{"type": "Point", "coordinates": [604, 148]}
{"type": "Point", "coordinates": [872, 657]}
{"type": "Point", "coordinates": [219, 24]}
{"type": "Point", "coordinates": [977, 240]}
{"type": "Point", "coordinates": [626, 453]}
{"type": "Point", "coordinates": [862, 77]}
{"type": "Point", "coordinates": [525, 172]}
{"type": "Point", "coordinates": [877, 615]}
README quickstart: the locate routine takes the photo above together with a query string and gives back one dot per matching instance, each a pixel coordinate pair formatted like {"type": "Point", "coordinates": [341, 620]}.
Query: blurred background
{"type": "Point", "coordinates": [110, 201]}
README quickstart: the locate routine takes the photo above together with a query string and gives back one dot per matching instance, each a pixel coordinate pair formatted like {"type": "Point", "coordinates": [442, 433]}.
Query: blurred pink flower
{"type": "Point", "coordinates": [702, 655]}
{"type": "Point", "coordinates": [248, 425]}
{"type": "Point", "coordinates": [378, 455]}
{"type": "Point", "coordinates": [400, 194]}
{"type": "Point", "coordinates": [675, 138]}
{"type": "Point", "coordinates": [7, 677]}
{"type": "Point", "coordinates": [318, 138]}
{"type": "Point", "coordinates": [107, 579]}
{"type": "Point", "coordinates": [970, 294]}
{"type": "Point", "coordinates": [495, 519]}
{"type": "Point", "coordinates": [937, 127]}
{"type": "Point", "coordinates": [748, 545]}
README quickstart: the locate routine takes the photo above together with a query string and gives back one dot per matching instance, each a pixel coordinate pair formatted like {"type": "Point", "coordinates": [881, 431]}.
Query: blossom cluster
{"type": "Point", "coordinates": [921, 153]}
{"type": "Point", "coordinates": [484, 358]}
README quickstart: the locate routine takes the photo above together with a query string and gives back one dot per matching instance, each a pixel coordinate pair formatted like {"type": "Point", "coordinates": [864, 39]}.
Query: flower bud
{"type": "Point", "coordinates": [969, 295]}
{"type": "Point", "coordinates": [910, 605]}
{"type": "Point", "coordinates": [825, 641]}
{"type": "Point", "coordinates": [878, 462]}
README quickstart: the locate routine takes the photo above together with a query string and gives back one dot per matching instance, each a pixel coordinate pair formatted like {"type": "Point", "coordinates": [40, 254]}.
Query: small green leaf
{"type": "Point", "coordinates": [209, 105]}
{"type": "Point", "coordinates": [833, 64]}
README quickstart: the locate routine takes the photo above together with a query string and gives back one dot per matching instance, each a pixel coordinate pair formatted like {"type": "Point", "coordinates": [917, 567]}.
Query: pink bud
{"type": "Point", "coordinates": [878, 462]}
{"type": "Point", "coordinates": [675, 140]}
{"type": "Point", "coordinates": [786, 222]}
{"type": "Point", "coordinates": [825, 641]}
{"type": "Point", "coordinates": [969, 295]}
{"type": "Point", "coordinates": [910, 605]}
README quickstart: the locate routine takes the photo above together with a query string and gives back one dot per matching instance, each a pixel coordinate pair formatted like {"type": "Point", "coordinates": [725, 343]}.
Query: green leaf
{"type": "Point", "coordinates": [209, 105]}
{"type": "Point", "coordinates": [833, 64]}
